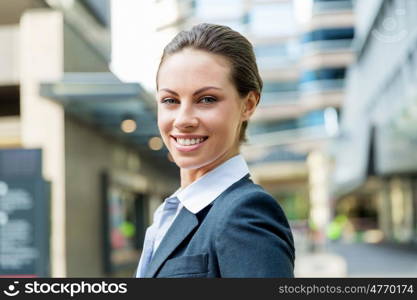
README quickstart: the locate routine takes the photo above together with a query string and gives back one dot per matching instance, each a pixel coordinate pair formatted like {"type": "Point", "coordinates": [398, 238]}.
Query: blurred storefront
{"type": "Point", "coordinates": [375, 155]}
{"type": "Point", "coordinates": [96, 138]}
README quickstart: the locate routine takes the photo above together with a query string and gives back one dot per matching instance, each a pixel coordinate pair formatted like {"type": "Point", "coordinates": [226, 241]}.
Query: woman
{"type": "Point", "coordinates": [219, 223]}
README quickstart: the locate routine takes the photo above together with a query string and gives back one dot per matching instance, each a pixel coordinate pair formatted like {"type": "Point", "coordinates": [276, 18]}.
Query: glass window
{"type": "Point", "coordinates": [272, 56]}
{"type": "Point", "coordinates": [312, 118]}
{"type": "Point", "coordinates": [283, 86]}
{"type": "Point", "coordinates": [10, 100]}
{"type": "Point", "coordinates": [279, 98]}
{"type": "Point", "coordinates": [259, 128]}
{"type": "Point", "coordinates": [331, 5]}
{"type": "Point", "coordinates": [328, 34]}
{"type": "Point", "coordinates": [323, 74]}
{"type": "Point", "coordinates": [271, 50]}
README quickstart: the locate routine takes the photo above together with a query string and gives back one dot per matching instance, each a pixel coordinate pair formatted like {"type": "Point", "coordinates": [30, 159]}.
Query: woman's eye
{"type": "Point", "coordinates": [169, 101]}
{"type": "Point", "coordinates": [207, 99]}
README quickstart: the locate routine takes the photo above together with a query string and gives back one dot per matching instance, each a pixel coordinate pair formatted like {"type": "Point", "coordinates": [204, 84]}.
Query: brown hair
{"type": "Point", "coordinates": [224, 41]}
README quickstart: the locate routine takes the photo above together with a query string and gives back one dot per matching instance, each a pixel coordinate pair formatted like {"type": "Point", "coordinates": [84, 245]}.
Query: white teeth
{"type": "Point", "coordinates": [187, 142]}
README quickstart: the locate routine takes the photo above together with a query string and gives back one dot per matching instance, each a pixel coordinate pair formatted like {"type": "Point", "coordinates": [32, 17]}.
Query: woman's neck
{"type": "Point", "coordinates": [188, 176]}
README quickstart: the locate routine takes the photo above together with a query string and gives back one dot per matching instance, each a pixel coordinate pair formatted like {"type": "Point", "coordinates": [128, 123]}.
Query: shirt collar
{"type": "Point", "coordinates": [204, 190]}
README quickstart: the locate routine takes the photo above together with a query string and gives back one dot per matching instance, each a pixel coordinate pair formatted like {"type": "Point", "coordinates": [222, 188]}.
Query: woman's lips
{"type": "Point", "coordinates": [188, 148]}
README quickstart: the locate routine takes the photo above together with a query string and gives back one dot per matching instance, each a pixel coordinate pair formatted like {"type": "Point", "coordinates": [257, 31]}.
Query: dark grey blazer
{"type": "Point", "coordinates": [243, 233]}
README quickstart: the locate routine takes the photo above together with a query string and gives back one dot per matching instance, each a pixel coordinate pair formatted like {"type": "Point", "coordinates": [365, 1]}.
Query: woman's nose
{"type": "Point", "coordinates": [185, 119]}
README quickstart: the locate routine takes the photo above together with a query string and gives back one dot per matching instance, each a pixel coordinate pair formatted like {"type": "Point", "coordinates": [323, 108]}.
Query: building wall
{"type": "Point", "coordinates": [42, 121]}
{"type": "Point", "coordinates": [381, 111]}
{"type": "Point", "coordinates": [80, 55]}
{"type": "Point", "coordinates": [87, 154]}
{"type": "Point", "coordinates": [372, 103]}
{"type": "Point", "coordinates": [9, 54]}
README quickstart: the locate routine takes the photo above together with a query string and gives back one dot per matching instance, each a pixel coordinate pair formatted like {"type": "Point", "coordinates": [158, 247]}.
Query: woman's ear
{"type": "Point", "coordinates": [249, 105]}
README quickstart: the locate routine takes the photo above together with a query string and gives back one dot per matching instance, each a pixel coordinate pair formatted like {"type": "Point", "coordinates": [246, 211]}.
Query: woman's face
{"type": "Point", "coordinates": [199, 109]}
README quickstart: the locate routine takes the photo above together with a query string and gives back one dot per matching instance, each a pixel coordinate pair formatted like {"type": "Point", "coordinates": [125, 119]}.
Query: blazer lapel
{"type": "Point", "coordinates": [183, 224]}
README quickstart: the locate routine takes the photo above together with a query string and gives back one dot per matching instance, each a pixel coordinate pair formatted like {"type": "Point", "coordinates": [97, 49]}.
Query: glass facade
{"type": "Point", "coordinates": [280, 86]}
{"type": "Point", "coordinates": [267, 127]}
{"type": "Point", "coordinates": [331, 5]}
{"type": "Point", "coordinates": [323, 74]}
{"type": "Point", "coordinates": [312, 118]}
{"type": "Point", "coordinates": [328, 34]}
{"type": "Point", "coordinates": [276, 55]}
{"type": "Point", "coordinates": [275, 92]}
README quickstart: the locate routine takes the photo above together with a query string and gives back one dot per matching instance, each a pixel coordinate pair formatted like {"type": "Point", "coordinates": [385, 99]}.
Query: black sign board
{"type": "Point", "coordinates": [24, 214]}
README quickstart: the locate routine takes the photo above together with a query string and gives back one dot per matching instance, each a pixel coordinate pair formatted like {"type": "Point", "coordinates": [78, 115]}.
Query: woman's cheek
{"type": "Point", "coordinates": [163, 121]}
{"type": "Point", "coordinates": [163, 132]}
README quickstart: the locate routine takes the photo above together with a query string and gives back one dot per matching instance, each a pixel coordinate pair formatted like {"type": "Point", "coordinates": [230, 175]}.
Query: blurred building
{"type": "Point", "coordinates": [374, 178]}
{"type": "Point", "coordinates": [300, 135]}
{"type": "Point", "coordinates": [95, 142]}
{"type": "Point", "coordinates": [326, 39]}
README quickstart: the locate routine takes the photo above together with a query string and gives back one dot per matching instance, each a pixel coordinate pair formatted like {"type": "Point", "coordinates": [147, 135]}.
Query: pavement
{"type": "Point", "coordinates": [377, 260]}
{"type": "Point", "coordinates": [355, 259]}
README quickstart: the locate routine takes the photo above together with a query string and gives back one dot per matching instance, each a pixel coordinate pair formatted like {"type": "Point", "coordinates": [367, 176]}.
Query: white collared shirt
{"type": "Point", "coordinates": [199, 194]}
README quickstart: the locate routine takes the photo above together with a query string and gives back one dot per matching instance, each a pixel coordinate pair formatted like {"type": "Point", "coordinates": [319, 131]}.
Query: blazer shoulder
{"type": "Point", "coordinates": [247, 199]}
{"type": "Point", "coordinates": [244, 191]}
{"type": "Point", "coordinates": [252, 223]}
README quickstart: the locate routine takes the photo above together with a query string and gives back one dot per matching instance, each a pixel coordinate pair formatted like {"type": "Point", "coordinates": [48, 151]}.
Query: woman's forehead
{"type": "Point", "coordinates": [194, 66]}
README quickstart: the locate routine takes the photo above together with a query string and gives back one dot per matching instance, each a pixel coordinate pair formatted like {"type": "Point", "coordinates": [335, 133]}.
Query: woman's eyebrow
{"type": "Point", "coordinates": [195, 93]}
{"type": "Point", "coordinates": [205, 89]}
{"type": "Point", "coordinates": [169, 91]}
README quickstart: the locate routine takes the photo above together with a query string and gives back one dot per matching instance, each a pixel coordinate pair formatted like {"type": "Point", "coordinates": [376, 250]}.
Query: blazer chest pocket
{"type": "Point", "coordinates": [185, 266]}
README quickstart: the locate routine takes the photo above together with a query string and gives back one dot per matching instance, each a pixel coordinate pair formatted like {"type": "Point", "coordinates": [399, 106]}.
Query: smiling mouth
{"type": "Point", "coordinates": [190, 142]}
